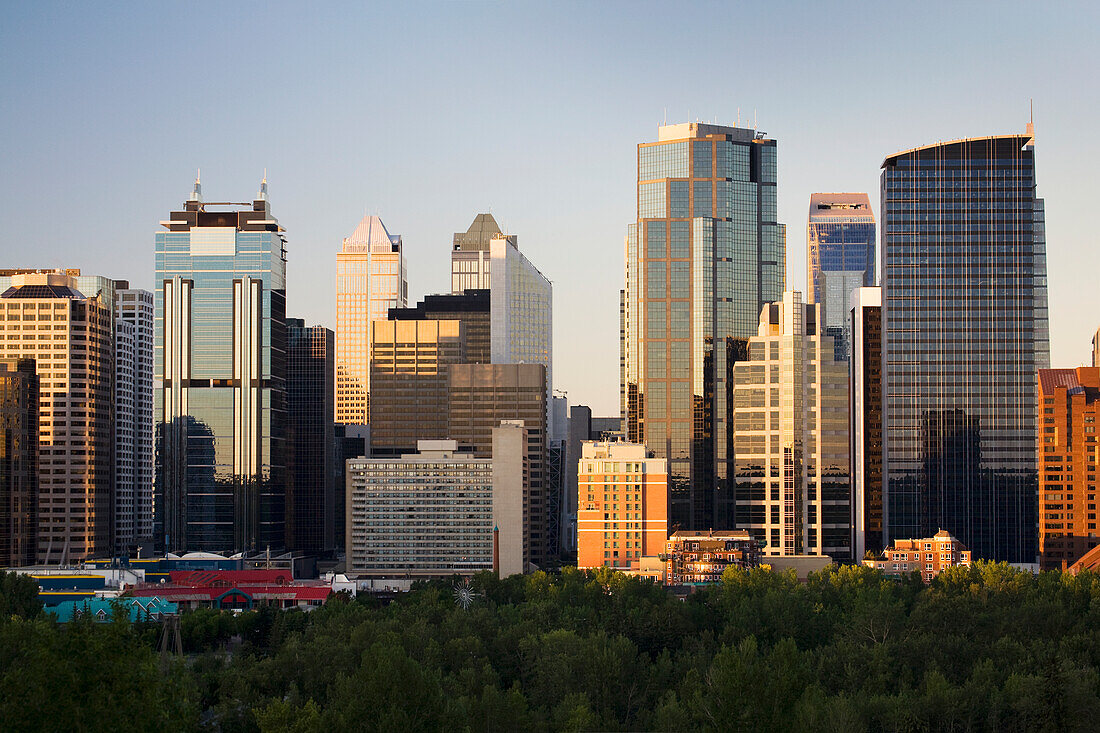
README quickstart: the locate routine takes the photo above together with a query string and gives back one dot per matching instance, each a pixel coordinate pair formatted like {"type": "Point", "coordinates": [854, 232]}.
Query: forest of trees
{"type": "Point", "coordinates": [982, 648]}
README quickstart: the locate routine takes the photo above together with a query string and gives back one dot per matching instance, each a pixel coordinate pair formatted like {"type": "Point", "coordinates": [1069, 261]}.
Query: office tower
{"type": "Point", "coordinates": [622, 502]}
{"type": "Point", "coordinates": [19, 388]}
{"type": "Point", "coordinates": [220, 404]}
{"type": "Point", "coordinates": [791, 418]}
{"type": "Point", "coordinates": [479, 397]}
{"type": "Point", "coordinates": [521, 307]}
{"type": "Point", "coordinates": [470, 306]}
{"type": "Point", "coordinates": [370, 279]}
{"type": "Point", "coordinates": [409, 363]}
{"type": "Point", "coordinates": [705, 254]}
{"type": "Point", "coordinates": [310, 386]}
{"type": "Point", "coordinates": [70, 338]}
{"type": "Point", "coordinates": [351, 441]}
{"type": "Point", "coordinates": [439, 511]}
{"type": "Point", "coordinates": [1069, 405]}
{"type": "Point", "coordinates": [557, 523]}
{"type": "Point", "coordinates": [133, 416]}
{"type": "Point", "coordinates": [840, 257]}
{"type": "Point", "coordinates": [964, 332]}
{"type": "Point", "coordinates": [865, 419]}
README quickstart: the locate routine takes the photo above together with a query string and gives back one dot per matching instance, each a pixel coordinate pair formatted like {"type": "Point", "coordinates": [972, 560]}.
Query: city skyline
{"type": "Point", "coordinates": [144, 129]}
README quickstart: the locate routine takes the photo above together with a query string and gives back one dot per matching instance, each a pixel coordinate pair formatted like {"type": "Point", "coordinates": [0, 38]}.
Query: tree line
{"type": "Point", "coordinates": [981, 648]}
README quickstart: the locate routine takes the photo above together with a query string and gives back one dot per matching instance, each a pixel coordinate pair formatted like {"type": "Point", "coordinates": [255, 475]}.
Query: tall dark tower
{"type": "Point", "coordinates": [964, 306]}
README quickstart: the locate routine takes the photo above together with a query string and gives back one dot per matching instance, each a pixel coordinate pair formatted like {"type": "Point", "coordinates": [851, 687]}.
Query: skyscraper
{"type": "Point", "coordinates": [311, 491]}
{"type": "Point", "coordinates": [75, 366]}
{"type": "Point", "coordinates": [18, 462]}
{"type": "Point", "coordinates": [704, 256]}
{"type": "Point", "coordinates": [964, 333]}
{"type": "Point", "coordinates": [370, 279]}
{"type": "Point", "coordinates": [133, 416]}
{"type": "Point", "coordinates": [840, 256]}
{"type": "Point", "coordinates": [865, 420]}
{"type": "Point", "coordinates": [790, 400]}
{"type": "Point", "coordinates": [220, 361]}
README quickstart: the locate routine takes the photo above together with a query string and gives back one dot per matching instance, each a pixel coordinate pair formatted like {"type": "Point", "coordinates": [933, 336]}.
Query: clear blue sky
{"type": "Point", "coordinates": [427, 114]}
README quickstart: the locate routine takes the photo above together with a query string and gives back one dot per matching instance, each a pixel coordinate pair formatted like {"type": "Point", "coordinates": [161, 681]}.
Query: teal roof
{"type": "Point", "coordinates": [102, 609]}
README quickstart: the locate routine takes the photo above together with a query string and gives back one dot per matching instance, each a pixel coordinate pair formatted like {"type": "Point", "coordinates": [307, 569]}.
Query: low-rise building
{"type": "Point", "coordinates": [102, 610]}
{"type": "Point", "coordinates": [622, 502]}
{"type": "Point", "coordinates": [236, 589]}
{"type": "Point", "coordinates": [702, 557]}
{"type": "Point", "coordinates": [440, 511]}
{"type": "Point", "coordinates": [928, 556]}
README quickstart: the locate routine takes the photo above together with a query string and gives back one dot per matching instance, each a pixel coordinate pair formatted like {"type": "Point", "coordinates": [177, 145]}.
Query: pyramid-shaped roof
{"type": "Point", "coordinates": [480, 233]}
{"type": "Point", "coordinates": [370, 236]}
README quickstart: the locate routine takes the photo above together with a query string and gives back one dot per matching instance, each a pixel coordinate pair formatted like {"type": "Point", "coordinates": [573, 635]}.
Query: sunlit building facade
{"type": "Point", "coordinates": [370, 279]}
{"type": "Point", "coordinates": [1068, 452]}
{"type": "Point", "coordinates": [694, 558]}
{"type": "Point", "coordinates": [220, 361]}
{"type": "Point", "coordinates": [840, 256]}
{"type": "Point", "coordinates": [705, 254]}
{"type": "Point", "coordinates": [791, 418]}
{"type": "Point", "coordinates": [71, 339]}
{"type": "Point", "coordinates": [964, 305]}
{"type": "Point", "coordinates": [928, 556]}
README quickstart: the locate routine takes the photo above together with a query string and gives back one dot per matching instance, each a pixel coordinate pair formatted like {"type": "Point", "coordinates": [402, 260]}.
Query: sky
{"type": "Point", "coordinates": [429, 113]}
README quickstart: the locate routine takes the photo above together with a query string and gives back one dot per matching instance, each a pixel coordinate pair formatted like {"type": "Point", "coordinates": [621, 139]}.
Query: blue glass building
{"type": "Point", "coordinates": [704, 256]}
{"type": "Point", "coordinates": [220, 361]}
{"type": "Point", "coordinates": [964, 307]}
{"type": "Point", "coordinates": [840, 243]}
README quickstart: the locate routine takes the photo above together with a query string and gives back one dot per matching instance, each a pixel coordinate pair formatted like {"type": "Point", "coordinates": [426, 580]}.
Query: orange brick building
{"type": "Point", "coordinates": [622, 505]}
{"type": "Point", "coordinates": [928, 556]}
{"type": "Point", "coordinates": [1067, 458]}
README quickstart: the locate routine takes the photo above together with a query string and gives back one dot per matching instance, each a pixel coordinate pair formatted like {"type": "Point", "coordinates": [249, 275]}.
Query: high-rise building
{"type": "Point", "coordinates": [481, 396]}
{"type": "Point", "coordinates": [18, 462]}
{"type": "Point", "coordinates": [705, 254]}
{"type": "Point", "coordinates": [521, 298]}
{"type": "Point", "coordinates": [133, 416]}
{"type": "Point", "coordinates": [220, 360]}
{"type": "Point", "coordinates": [409, 365]}
{"type": "Point", "coordinates": [791, 417]}
{"type": "Point", "coordinates": [1069, 405]}
{"type": "Point", "coordinates": [470, 306]}
{"type": "Point", "coordinates": [964, 307]}
{"type": "Point", "coordinates": [582, 427]}
{"type": "Point", "coordinates": [311, 489]}
{"type": "Point", "coordinates": [370, 279]}
{"type": "Point", "coordinates": [622, 502]}
{"type": "Point", "coordinates": [71, 339]}
{"type": "Point", "coordinates": [840, 256]}
{"type": "Point", "coordinates": [865, 420]}
{"type": "Point", "coordinates": [439, 511]}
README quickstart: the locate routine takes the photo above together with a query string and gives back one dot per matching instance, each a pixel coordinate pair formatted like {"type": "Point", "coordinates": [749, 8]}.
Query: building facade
{"type": "Point", "coordinates": [929, 556]}
{"type": "Point", "coordinates": [19, 389]}
{"type": "Point", "coordinates": [791, 421]}
{"type": "Point", "coordinates": [311, 488]}
{"type": "Point", "coordinates": [482, 396]}
{"type": "Point", "coordinates": [622, 501]}
{"type": "Point", "coordinates": [693, 558]}
{"type": "Point", "coordinates": [1069, 405]}
{"type": "Point", "coordinates": [865, 419]}
{"type": "Point", "coordinates": [370, 279]}
{"type": "Point", "coordinates": [472, 307]}
{"type": "Point", "coordinates": [133, 417]}
{"type": "Point", "coordinates": [438, 512]}
{"type": "Point", "coordinates": [964, 306]}
{"type": "Point", "coordinates": [704, 255]}
{"type": "Point", "coordinates": [71, 340]}
{"type": "Point", "coordinates": [220, 361]}
{"type": "Point", "coordinates": [840, 256]}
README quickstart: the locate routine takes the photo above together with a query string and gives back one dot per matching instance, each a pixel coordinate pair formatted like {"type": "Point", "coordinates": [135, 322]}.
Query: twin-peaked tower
{"type": "Point", "coordinates": [704, 256]}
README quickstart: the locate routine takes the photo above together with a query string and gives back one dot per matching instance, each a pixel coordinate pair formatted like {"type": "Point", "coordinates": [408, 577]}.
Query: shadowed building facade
{"type": "Point", "coordinates": [865, 419]}
{"type": "Point", "coordinates": [18, 462]}
{"type": "Point", "coordinates": [964, 306]}
{"type": "Point", "coordinates": [703, 257]}
{"type": "Point", "coordinates": [220, 360]}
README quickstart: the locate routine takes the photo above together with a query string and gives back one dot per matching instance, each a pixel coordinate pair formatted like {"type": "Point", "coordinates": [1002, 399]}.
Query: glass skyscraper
{"type": "Point", "coordinates": [704, 256]}
{"type": "Point", "coordinates": [964, 307]}
{"type": "Point", "coordinates": [840, 257]}
{"type": "Point", "coordinates": [220, 378]}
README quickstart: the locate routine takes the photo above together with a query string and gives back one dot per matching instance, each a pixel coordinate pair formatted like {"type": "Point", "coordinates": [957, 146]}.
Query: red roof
{"type": "Point", "coordinates": [225, 578]}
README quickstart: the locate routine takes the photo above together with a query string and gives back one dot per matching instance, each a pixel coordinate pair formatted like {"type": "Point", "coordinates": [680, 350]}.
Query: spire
{"type": "Point", "coordinates": [196, 194]}
{"type": "Point", "coordinates": [262, 195]}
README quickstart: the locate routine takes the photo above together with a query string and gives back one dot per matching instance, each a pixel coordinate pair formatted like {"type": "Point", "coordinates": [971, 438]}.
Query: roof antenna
{"type": "Point", "coordinates": [1031, 120]}
{"type": "Point", "coordinates": [738, 123]}
{"type": "Point", "coordinates": [196, 193]}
